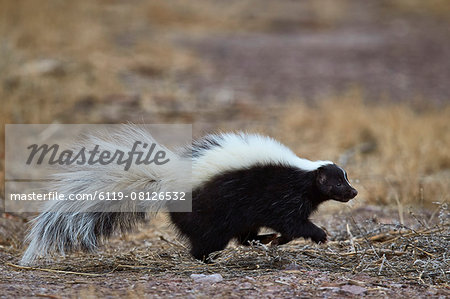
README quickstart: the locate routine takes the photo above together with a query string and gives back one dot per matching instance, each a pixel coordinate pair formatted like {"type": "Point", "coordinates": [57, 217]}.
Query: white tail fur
{"type": "Point", "coordinates": [71, 225]}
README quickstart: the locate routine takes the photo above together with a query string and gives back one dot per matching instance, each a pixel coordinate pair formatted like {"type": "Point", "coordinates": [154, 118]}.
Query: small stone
{"type": "Point", "coordinates": [212, 278]}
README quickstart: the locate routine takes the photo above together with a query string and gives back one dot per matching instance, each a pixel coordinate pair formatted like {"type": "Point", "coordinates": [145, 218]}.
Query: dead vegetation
{"type": "Point", "coordinates": [364, 256]}
{"type": "Point", "coordinates": [396, 155]}
{"type": "Point", "coordinates": [362, 84]}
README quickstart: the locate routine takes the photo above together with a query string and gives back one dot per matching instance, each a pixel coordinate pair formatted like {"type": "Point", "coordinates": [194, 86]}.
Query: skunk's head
{"type": "Point", "coordinates": [333, 183]}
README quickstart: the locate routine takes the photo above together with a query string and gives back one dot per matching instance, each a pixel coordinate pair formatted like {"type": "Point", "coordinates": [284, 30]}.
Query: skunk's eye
{"type": "Point", "coordinates": [338, 184]}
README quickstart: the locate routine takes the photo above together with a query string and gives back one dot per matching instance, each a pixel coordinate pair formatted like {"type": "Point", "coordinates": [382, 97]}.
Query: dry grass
{"type": "Point", "coordinates": [394, 153]}
{"type": "Point", "coordinates": [436, 8]}
{"type": "Point", "coordinates": [378, 257]}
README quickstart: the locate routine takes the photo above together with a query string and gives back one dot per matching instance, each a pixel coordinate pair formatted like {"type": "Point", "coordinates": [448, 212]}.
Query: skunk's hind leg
{"type": "Point", "coordinates": [201, 249]}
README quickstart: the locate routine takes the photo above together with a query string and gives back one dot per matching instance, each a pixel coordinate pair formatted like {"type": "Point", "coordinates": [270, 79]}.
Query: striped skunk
{"type": "Point", "coordinates": [240, 183]}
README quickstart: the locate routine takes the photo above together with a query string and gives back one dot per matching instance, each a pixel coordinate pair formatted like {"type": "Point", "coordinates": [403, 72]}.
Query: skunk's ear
{"type": "Point", "coordinates": [321, 176]}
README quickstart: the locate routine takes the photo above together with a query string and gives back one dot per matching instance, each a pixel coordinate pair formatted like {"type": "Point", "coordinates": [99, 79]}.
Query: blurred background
{"type": "Point", "coordinates": [363, 83]}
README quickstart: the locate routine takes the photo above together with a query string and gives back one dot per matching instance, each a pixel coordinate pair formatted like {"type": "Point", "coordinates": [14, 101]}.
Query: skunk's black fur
{"type": "Point", "coordinates": [238, 203]}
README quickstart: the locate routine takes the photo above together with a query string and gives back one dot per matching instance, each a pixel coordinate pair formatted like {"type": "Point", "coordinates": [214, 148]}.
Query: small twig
{"type": "Point", "coordinates": [58, 271]}
{"type": "Point", "coordinates": [427, 253]}
{"type": "Point", "coordinates": [282, 282]}
{"type": "Point", "coordinates": [172, 243]}
{"type": "Point", "coordinates": [352, 242]}
{"type": "Point", "coordinates": [364, 236]}
{"type": "Point", "coordinates": [47, 296]}
{"type": "Point", "coordinates": [382, 263]}
{"type": "Point", "coordinates": [420, 277]}
{"type": "Point", "coordinates": [134, 267]}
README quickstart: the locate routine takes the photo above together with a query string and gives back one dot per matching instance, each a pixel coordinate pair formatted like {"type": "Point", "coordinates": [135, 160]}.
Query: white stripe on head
{"type": "Point", "coordinates": [240, 151]}
{"type": "Point", "coordinates": [345, 175]}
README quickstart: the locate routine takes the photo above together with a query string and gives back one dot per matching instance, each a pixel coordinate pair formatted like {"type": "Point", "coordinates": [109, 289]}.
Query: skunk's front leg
{"type": "Point", "coordinates": [306, 229]}
{"type": "Point", "coordinates": [314, 232]}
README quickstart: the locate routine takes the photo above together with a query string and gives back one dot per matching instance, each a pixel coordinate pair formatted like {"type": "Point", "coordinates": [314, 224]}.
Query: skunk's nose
{"type": "Point", "coordinates": [353, 193]}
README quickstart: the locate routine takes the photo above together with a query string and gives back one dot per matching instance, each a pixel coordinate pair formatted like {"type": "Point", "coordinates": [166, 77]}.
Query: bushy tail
{"type": "Point", "coordinates": [72, 225]}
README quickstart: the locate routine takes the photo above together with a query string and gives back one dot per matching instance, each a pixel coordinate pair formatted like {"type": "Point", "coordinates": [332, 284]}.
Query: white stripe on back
{"type": "Point", "coordinates": [240, 151]}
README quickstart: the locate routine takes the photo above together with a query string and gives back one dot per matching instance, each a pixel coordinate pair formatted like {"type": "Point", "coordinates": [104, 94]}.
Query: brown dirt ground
{"type": "Point", "coordinates": [410, 261]}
